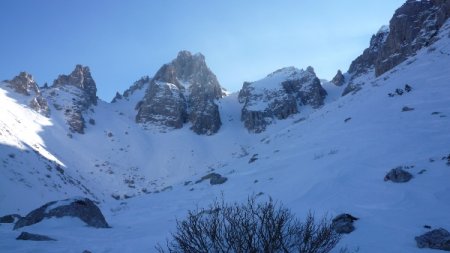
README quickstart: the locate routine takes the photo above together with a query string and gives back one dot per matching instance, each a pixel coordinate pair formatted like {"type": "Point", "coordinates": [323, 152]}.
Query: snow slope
{"type": "Point", "coordinates": [331, 161]}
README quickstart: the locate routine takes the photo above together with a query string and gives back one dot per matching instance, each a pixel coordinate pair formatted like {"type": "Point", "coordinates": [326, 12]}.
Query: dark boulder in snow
{"type": "Point", "coordinates": [82, 208]}
{"type": "Point", "coordinates": [10, 218]}
{"type": "Point", "coordinates": [435, 239]}
{"type": "Point", "coordinates": [343, 223]}
{"type": "Point", "coordinates": [398, 175]}
{"type": "Point", "coordinates": [33, 237]}
{"type": "Point", "coordinates": [214, 179]}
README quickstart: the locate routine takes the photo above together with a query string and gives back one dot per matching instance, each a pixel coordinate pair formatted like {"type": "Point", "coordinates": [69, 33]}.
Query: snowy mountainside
{"type": "Point", "coordinates": [329, 160]}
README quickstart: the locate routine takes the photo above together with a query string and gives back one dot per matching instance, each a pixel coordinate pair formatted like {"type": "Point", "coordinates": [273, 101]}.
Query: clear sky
{"type": "Point", "coordinates": [242, 40]}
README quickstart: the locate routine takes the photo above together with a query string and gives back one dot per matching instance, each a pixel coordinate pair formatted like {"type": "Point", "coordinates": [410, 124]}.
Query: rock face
{"type": "Point", "coordinates": [181, 91]}
{"type": "Point", "coordinates": [82, 208]}
{"type": "Point", "coordinates": [138, 85]}
{"type": "Point", "coordinates": [398, 175]}
{"type": "Point", "coordinates": [393, 44]}
{"type": "Point", "coordinates": [74, 94]}
{"type": "Point", "coordinates": [10, 218]}
{"type": "Point", "coordinates": [435, 239]}
{"type": "Point", "coordinates": [82, 79]}
{"type": "Point", "coordinates": [343, 223]}
{"type": "Point", "coordinates": [338, 79]}
{"type": "Point", "coordinates": [24, 84]}
{"type": "Point", "coordinates": [278, 96]}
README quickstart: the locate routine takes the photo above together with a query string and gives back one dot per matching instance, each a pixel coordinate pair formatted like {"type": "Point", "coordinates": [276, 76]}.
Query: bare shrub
{"type": "Point", "coordinates": [250, 227]}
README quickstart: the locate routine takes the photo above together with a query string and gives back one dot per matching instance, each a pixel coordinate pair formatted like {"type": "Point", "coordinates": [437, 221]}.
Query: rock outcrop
{"type": "Point", "coordinates": [182, 91]}
{"type": "Point", "coordinates": [338, 79]}
{"type": "Point", "coordinates": [343, 223]}
{"type": "Point", "coordinates": [138, 85]}
{"type": "Point", "coordinates": [278, 96]}
{"type": "Point", "coordinates": [413, 26]}
{"type": "Point", "coordinates": [24, 84]}
{"type": "Point", "coordinates": [25, 236]}
{"type": "Point", "coordinates": [82, 208]}
{"type": "Point", "coordinates": [435, 239]}
{"type": "Point", "coordinates": [398, 175]}
{"type": "Point", "coordinates": [74, 94]}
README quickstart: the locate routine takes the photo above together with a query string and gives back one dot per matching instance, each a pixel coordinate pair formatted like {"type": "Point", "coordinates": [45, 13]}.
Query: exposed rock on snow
{"type": "Point", "coordinates": [33, 237]}
{"type": "Point", "coordinates": [398, 175]}
{"type": "Point", "coordinates": [338, 79]}
{"type": "Point", "coordinates": [10, 218]}
{"type": "Point", "coordinates": [278, 96]}
{"type": "Point", "coordinates": [181, 91]}
{"type": "Point", "coordinates": [82, 208]}
{"type": "Point", "coordinates": [393, 44]}
{"type": "Point", "coordinates": [24, 84]}
{"type": "Point", "coordinates": [214, 179]}
{"type": "Point", "coordinates": [435, 239]}
{"type": "Point", "coordinates": [343, 223]}
{"type": "Point", "coordinates": [79, 93]}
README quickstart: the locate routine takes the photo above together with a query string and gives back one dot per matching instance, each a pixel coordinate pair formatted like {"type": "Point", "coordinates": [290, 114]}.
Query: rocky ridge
{"type": "Point", "coordinates": [182, 91]}
{"type": "Point", "coordinates": [278, 96]}
{"type": "Point", "coordinates": [413, 26]}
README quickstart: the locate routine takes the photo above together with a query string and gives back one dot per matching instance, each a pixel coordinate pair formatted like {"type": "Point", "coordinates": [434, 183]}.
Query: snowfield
{"type": "Point", "coordinates": [330, 160]}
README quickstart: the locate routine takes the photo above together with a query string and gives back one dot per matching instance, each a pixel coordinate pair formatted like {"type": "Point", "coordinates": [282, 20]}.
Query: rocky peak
{"type": "Point", "coordinates": [413, 26]}
{"type": "Point", "coordinates": [278, 96]}
{"type": "Point", "coordinates": [82, 79]}
{"type": "Point", "coordinates": [183, 90]}
{"type": "Point", "coordinates": [338, 79]}
{"type": "Point", "coordinates": [23, 84]}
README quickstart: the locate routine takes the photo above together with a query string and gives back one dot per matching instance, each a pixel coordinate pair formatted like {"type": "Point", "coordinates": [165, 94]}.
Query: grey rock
{"type": "Point", "coordinates": [343, 223]}
{"type": "Point", "coordinates": [407, 109]}
{"type": "Point", "coordinates": [82, 208]}
{"type": "Point", "coordinates": [117, 97]}
{"type": "Point", "coordinates": [288, 90]}
{"type": "Point", "coordinates": [181, 91]}
{"type": "Point", "coordinates": [10, 218]}
{"type": "Point", "coordinates": [338, 79]}
{"type": "Point", "coordinates": [214, 179]}
{"type": "Point", "coordinates": [33, 237]}
{"type": "Point", "coordinates": [23, 84]}
{"type": "Point", "coordinates": [390, 47]}
{"type": "Point", "coordinates": [398, 175]}
{"type": "Point", "coordinates": [143, 82]}
{"type": "Point", "coordinates": [82, 79]}
{"type": "Point", "coordinates": [435, 239]}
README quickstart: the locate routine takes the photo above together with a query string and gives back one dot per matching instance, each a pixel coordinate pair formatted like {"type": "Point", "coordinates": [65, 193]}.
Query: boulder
{"type": "Point", "coordinates": [343, 223]}
{"type": "Point", "coordinates": [82, 208]}
{"type": "Point", "coordinates": [398, 175]}
{"type": "Point", "coordinates": [33, 237]}
{"type": "Point", "coordinates": [435, 239]}
{"type": "Point", "coordinates": [10, 218]}
{"type": "Point", "coordinates": [214, 179]}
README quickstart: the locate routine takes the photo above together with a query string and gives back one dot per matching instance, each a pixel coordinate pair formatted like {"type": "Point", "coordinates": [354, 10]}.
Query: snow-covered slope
{"type": "Point", "coordinates": [331, 161]}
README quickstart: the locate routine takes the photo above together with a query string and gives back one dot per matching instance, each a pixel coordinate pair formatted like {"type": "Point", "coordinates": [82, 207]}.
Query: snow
{"type": "Point", "coordinates": [320, 162]}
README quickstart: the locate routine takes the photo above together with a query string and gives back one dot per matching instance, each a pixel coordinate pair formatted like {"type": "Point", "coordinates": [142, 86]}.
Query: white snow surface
{"type": "Point", "coordinates": [321, 162]}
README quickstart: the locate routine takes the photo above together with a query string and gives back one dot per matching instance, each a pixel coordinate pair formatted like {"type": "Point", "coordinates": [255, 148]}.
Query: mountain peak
{"type": "Point", "coordinates": [82, 79]}
{"type": "Point", "coordinates": [23, 84]}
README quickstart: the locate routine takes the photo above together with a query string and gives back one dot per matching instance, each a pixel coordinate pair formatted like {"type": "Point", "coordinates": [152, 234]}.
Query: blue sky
{"type": "Point", "coordinates": [242, 40]}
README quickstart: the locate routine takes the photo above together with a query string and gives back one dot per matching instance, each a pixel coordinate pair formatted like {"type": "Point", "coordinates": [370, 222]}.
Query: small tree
{"type": "Point", "coordinates": [250, 227]}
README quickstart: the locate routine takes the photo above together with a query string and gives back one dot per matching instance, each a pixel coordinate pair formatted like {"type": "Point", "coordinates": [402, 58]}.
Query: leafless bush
{"type": "Point", "coordinates": [250, 227]}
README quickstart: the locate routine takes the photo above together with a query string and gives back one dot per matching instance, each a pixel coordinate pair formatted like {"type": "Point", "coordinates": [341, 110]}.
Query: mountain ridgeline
{"type": "Point", "coordinates": [185, 92]}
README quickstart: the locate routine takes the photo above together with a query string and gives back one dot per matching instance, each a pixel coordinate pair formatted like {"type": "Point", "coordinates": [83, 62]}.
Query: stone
{"type": "Point", "coordinates": [182, 91]}
{"type": "Point", "coordinates": [394, 44]}
{"type": "Point", "coordinates": [398, 175]}
{"type": "Point", "coordinates": [435, 239]}
{"type": "Point", "coordinates": [338, 79]}
{"type": "Point", "coordinates": [33, 237]}
{"type": "Point", "coordinates": [10, 218]}
{"type": "Point", "coordinates": [278, 96]}
{"type": "Point", "coordinates": [407, 109]}
{"type": "Point", "coordinates": [343, 223]}
{"type": "Point", "coordinates": [82, 79]}
{"type": "Point", "coordinates": [82, 208]}
{"type": "Point", "coordinates": [214, 179]}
